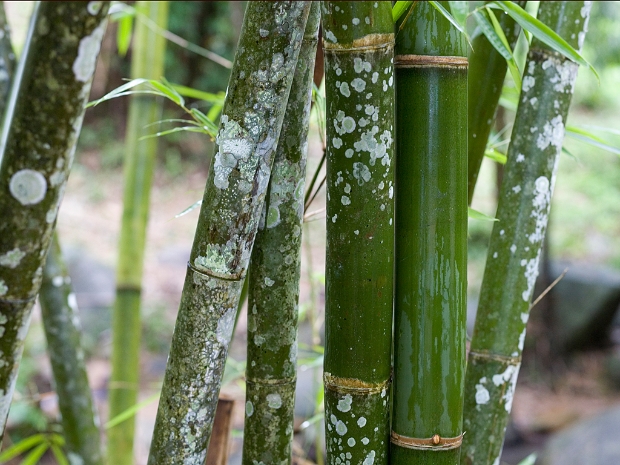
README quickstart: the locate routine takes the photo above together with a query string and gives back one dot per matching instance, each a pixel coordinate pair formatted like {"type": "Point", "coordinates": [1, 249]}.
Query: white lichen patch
{"type": "Point", "coordinates": [370, 458]}
{"type": "Point", "coordinates": [528, 81]}
{"type": "Point", "coordinates": [225, 326]}
{"type": "Point", "coordinates": [516, 189]}
{"type": "Point", "coordinates": [329, 35]}
{"type": "Point", "coordinates": [552, 134]}
{"type": "Point", "coordinates": [269, 282]}
{"type": "Point", "coordinates": [521, 342]}
{"type": "Point", "coordinates": [344, 404]}
{"type": "Point", "coordinates": [273, 217]}
{"type": "Point", "coordinates": [358, 84]}
{"type": "Point", "coordinates": [482, 395]}
{"type": "Point", "coordinates": [361, 173]}
{"type": "Point", "coordinates": [531, 273]}
{"type": "Point", "coordinates": [503, 378]}
{"type": "Point", "coordinates": [12, 258]}
{"type": "Point", "coordinates": [345, 200]}
{"type": "Point", "coordinates": [365, 441]}
{"type": "Point", "coordinates": [28, 187]}
{"type": "Point", "coordinates": [520, 158]}
{"type": "Point", "coordinates": [3, 290]}
{"type": "Point", "coordinates": [337, 142]}
{"type": "Point", "coordinates": [566, 75]}
{"type": "Point", "coordinates": [351, 442]}
{"type": "Point", "coordinates": [234, 145]}
{"type": "Point", "coordinates": [361, 422]}
{"type": "Point", "coordinates": [88, 51]}
{"type": "Point", "coordinates": [513, 248]}
{"type": "Point", "coordinates": [344, 89]}
{"type": "Point", "coordinates": [274, 401]}
{"type": "Point", "coordinates": [341, 428]}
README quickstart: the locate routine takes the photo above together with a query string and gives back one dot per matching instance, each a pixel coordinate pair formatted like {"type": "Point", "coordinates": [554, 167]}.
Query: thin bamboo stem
{"type": "Point", "coordinates": [516, 240]}
{"type": "Point", "coordinates": [7, 61]}
{"type": "Point", "coordinates": [274, 278]}
{"type": "Point", "coordinates": [359, 87]}
{"type": "Point", "coordinates": [431, 240]}
{"type": "Point", "coordinates": [487, 71]}
{"type": "Point", "coordinates": [147, 61]}
{"type": "Point", "coordinates": [233, 201]}
{"type": "Point", "coordinates": [45, 113]}
{"type": "Point", "coordinates": [64, 341]}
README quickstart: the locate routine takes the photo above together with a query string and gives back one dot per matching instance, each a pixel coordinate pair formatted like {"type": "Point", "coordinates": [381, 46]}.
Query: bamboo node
{"type": "Point", "coordinates": [212, 274]}
{"type": "Point", "coordinates": [429, 61]}
{"type": "Point", "coordinates": [436, 442]}
{"type": "Point", "coordinates": [369, 42]}
{"type": "Point", "coordinates": [506, 359]}
{"type": "Point", "coordinates": [353, 385]}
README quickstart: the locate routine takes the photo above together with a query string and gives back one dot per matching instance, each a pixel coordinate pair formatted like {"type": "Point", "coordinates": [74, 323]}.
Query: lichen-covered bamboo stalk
{"type": "Point", "coordinates": [44, 117]}
{"type": "Point", "coordinates": [516, 241]}
{"type": "Point", "coordinates": [274, 278]}
{"type": "Point", "coordinates": [487, 70]}
{"type": "Point", "coordinates": [63, 332]}
{"type": "Point", "coordinates": [147, 61]}
{"type": "Point", "coordinates": [7, 60]}
{"type": "Point", "coordinates": [358, 40]}
{"type": "Point", "coordinates": [431, 240]}
{"type": "Point", "coordinates": [251, 120]}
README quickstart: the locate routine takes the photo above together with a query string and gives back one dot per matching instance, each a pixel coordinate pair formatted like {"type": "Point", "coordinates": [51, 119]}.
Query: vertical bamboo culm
{"type": "Point", "coordinates": [251, 120]}
{"type": "Point", "coordinates": [44, 117]}
{"type": "Point", "coordinates": [516, 240]}
{"type": "Point", "coordinates": [431, 239]}
{"type": "Point", "coordinates": [485, 80]}
{"type": "Point", "coordinates": [147, 61]}
{"type": "Point", "coordinates": [274, 278]}
{"type": "Point", "coordinates": [64, 341]}
{"type": "Point", "coordinates": [358, 41]}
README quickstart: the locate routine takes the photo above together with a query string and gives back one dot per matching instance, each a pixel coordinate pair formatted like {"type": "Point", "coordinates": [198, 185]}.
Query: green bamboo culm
{"type": "Point", "coordinates": [487, 70]}
{"type": "Point", "coordinates": [7, 60]}
{"type": "Point", "coordinates": [274, 277]}
{"type": "Point", "coordinates": [251, 120]}
{"type": "Point", "coordinates": [431, 239]}
{"type": "Point", "coordinates": [358, 41]}
{"type": "Point", "coordinates": [64, 341]}
{"type": "Point", "coordinates": [516, 240]}
{"type": "Point", "coordinates": [147, 61]}
{"type": "Point", "coordinates": [44, 117]}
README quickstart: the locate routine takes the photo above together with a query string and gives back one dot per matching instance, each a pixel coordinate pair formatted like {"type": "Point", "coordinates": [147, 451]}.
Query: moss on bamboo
{"type": "Point", "coordinates": [516, 241]}
{"type": "Point", "coordinates": [358, 41]}
{"type": "Point", "coordinates": [44, 118]}
{"type": "Point", "coordinates": [487, 71]}
{"type": "Point", "coordinates": [274, 278]}
{"type": "Point", "coordinates": [63, 332]}
{"type": "Point", "coordinates": [147, 61]}
{"type": "Point", "coordinates": [431, 240]}
{"type": "Point", "coordinates": [233, 201]}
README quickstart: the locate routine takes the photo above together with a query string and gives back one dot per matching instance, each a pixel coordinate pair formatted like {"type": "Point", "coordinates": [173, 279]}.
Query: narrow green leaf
{"type": "Point", "coordinates": [57, 439]}
{"type": "Point", "coordinates": [118, 91]}
{"type": "Point", "coordinates": [476, 215]}
{"type": "Point", "coordinates": [130, 412]}
{"type": "Point", "coordinates": [592, 140]}
{"type": "Point", "coordinates": [529, 460]}
{"type": "Point", "coordinates": [460, 11]}
{"type": "Point", "coordinates": [439, 7]}
{"type": "Point", "coordinates": [544, 33]}
{"type": "Point", "coordinates": [496, 155]}
{"type": "Point", "coordinates": [33, 457]}
{"type": "Point", "coordinates": [515, 72]}
{"type": "Point", "coordinates": [205, 121]}
{"type": "Point", "coordinates": [199, 94]}
{"type": "Point", "coordinates": [310, 421]}
{"type": "Point", "coordinates": [168, 91]}
{"type": "Point", "coordinates": [123, 34]}
{"type": "Point", "coordinates": [214, 112]}
{"type": "Point", "coordinates": [399, 8]}
{"type": "Point", "coordinates": [189, 209]}
{"type": "Point", "coordinates": [200, 130]}
{"type": "Point", "coordinates": [603, 129]}
{"type": "Point", "coordinates": [21, 447]}
{"type": "Point", "coordinates": [60, 456]}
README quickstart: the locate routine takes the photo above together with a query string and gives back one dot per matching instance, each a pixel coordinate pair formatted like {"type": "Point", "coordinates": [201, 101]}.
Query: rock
{"type": "Point", "coordinates": [590, 442]}
{"type": "Point", "coordinates": [584, 302]}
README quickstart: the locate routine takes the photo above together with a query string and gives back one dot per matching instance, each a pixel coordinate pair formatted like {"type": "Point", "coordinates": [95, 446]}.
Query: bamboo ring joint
{"type": "Point", "coordinates": [435, 442]}
{"type": "Point", "coordinates": [428, 61]}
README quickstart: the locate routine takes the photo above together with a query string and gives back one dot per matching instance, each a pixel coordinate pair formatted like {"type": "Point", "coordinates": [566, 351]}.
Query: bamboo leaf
{"type": "Point", "coordinates": [399, 8]}
{"type": "Point", "coordinates": [189, 209]}
{"type": "Point", "coordinates": [121, 90]}
{"type": "Point", "coordinates": [124, 33]}
{"type": "Point", "coordinates": [199, 94]}
{"type": "Point", "coordinates": [439, 7]}
{"type": "Point", "coordinates": [60, 456]}
{"type": "Point", "coordinates": [515, 72]}
{"type": "Point", "coordinates": [33, 457]}
{"type": "Point", "coordinates": [544, 33]}
{"type": "Point", "coordinates": [529, 460]}
{"type": "Point", "coordinates": [460, 11]}
{"type": "Point", "coordinates": [476, 215]}
{"type": "Point", "coordinates": [168, 91]}
{"type": "Point", "coordinates": [215, 111]}
{"type": "Point", "coordinates": [590, 139]}
{"type": "Point", "coordinates": [21, 447]}
{"type": "Point", "coordinates": [130, 412]}
{"type": "Point", "coordinates": [495, 155]}
{"type": "Point", "coordinates": [200, 130]}
{"type": "Point", "coordinates": [205, 121]}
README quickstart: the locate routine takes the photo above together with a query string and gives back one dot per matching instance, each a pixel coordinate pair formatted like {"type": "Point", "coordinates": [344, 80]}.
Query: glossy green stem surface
{"type": "Point", "coordinates": [274, 278]}
{"type": "Point", "coordinates": [517, 238]}
{"type": "Point", "coordinates": [64, 343]}
{"type": "Point", "coordinates": [485, 79]}
{"type": "Point", "coordinates": [44, 117]}
{"type": "Point", "coordinates": [147, 61]}
{"type": "Point", "coordinates": [431, 239]}
{"type": "Point", "coordinates": [251, 121]}
{"type": "Point", "coordinates": [358, 42]}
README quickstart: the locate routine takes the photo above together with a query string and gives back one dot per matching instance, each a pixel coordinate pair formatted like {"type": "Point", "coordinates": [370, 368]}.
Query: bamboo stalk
{"type": "Point", "coordinates": [487, 70]}
{"type": "Point", "coordinates": [63, 332]}
{"type": "Point", "coordinates": [7, 61]}
{"type": "Point", "coordinates": [274, 278]}
{"type": "Point", "coordinates": [359, 86]}
{"type": "Point", "coordinates": [431, 239]}
{"type": "Point", "coordinates": [516, 241]}
{"type": "Point", "coordinates": [147, 61]}
{"type": "Point", "coordinates": [45, 111]}
{"type": "Point", "coordinates": [233, 201]}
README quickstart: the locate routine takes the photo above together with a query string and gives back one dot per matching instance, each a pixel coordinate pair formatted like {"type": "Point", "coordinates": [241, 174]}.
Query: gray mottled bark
{"type": "Point", "coordinates": [234, 196]}
{"type": "Point", "coordinates": [44, 117]}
